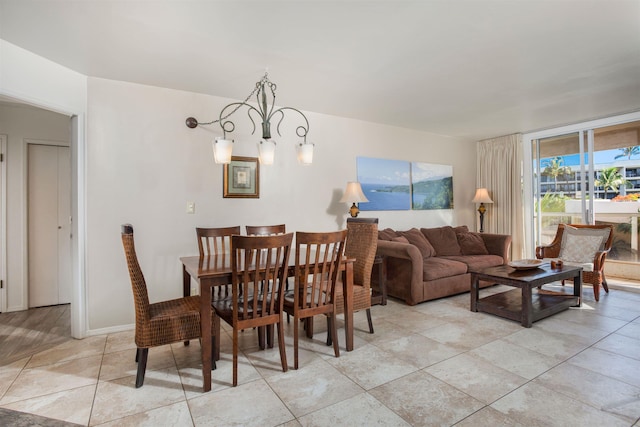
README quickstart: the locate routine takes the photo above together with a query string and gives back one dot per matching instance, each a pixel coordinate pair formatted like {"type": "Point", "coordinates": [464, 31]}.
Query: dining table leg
{"type": "Point", "coordinates": [347, 289]}
{"type": "Point", "coordinates": [205, 329]}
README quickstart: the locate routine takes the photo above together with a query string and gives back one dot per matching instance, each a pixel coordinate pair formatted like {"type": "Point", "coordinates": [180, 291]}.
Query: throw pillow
{"type": "Point", "coordinates": [461, 229]}
{"type": "Point", "coordinates": [387, 234]}
{"type": "Point", "coordinates": [443, 240]}
{"type": "Point", "coordinates": [400, 239]}
{"type": "Point", "coordinates": [472, 244]}
{"type": "Point", "coordinates": [581, 244]}
{"type": "Point", "coordinates": [415, 237]}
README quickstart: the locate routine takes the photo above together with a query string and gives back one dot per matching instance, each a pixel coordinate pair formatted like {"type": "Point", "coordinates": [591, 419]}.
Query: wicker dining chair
{"type": "Point", "coordinates": [362, 242]}
{"type": "Point", "coordinates": [253, 259]}
{"type": "Point", "coordinates": [593, 266]}
{"type": "Point", "coordinates": [315, 282]}
{"type": "Point", "coordinates": [162, 322]}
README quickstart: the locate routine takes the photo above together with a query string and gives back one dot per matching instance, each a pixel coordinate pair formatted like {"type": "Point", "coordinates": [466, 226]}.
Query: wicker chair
{"type": "Point", "coordinates": [253, 259]}
{"type": "Point", "coordinates": [163, 322]}
{"type": "Point", "coordinates": [315, 282]}
{"type": "Point", "coordinates": [362, 242]}
{"type": "Point", "coordinates": [593, 272]}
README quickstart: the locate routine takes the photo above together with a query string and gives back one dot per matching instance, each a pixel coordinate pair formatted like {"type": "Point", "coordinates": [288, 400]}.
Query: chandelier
{"type": "Point", "coordinates": [222, 147]}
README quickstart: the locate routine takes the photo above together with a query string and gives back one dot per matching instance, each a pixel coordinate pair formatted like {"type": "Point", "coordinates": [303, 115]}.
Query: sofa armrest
{"type": "Point", "coordinates": [406, 267]}
{"type": "Point", "coordinates": [497, 244]}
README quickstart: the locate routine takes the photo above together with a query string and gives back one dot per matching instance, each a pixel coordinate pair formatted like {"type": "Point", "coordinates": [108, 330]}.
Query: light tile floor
{"type": "Point", "coordinates": [436, 363]}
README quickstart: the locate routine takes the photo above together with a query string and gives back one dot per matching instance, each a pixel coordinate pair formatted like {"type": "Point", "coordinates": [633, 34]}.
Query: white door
{"type": "Point", "coordinates": [49, 206]}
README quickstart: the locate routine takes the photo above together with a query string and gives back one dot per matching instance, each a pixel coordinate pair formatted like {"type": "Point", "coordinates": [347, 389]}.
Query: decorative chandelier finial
{"type": "Point", "coordinates": [222, 147]}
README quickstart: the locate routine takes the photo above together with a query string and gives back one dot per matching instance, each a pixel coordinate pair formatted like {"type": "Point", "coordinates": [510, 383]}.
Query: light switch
{"type": "Point", "coordinates": [191, 207]}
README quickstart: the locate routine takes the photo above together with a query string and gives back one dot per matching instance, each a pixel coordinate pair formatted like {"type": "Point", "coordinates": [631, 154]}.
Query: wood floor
{"type": "Point", "coordinates": [23, 333]}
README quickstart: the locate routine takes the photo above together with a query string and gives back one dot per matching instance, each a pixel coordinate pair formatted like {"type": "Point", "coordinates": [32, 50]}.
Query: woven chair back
{"type": "Point", "coordinates": [138, 284]}
{"type": "Point", "coordinates": [362, 242]}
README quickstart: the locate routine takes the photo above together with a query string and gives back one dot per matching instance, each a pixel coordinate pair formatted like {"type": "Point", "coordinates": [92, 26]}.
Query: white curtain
{"type": "Point", "coordinates": [500, 172]}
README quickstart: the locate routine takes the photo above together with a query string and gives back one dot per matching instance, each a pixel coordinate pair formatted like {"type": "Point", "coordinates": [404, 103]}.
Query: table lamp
{"type": "Point", "coordinates": [353, 194]}
{"type": "Point", "coordinates": [482, 197]}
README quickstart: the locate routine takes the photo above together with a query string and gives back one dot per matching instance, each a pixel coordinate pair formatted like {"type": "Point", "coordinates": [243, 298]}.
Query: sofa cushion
{"type": "Point", "coordinates": [416, 238]}
{"type": "Point", "coordinates": [471, 244]}
{"type": "Point", "coordinates": [476, 262]}
{"type": "Point", "coordinates": [443, 240]}
{"type": "Point", "coordinates": [437, 268]}
{"type": "Point", "coordinates": [387, 234]}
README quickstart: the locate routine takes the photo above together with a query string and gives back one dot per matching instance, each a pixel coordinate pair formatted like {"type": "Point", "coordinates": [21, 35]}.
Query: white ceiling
{"type": "Point", "coordinates": [466, 68]}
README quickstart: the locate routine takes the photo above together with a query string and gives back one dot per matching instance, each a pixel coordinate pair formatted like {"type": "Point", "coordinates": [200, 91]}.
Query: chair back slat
{"type": "Point", "coordinates": [318, 257]}
{"type": "Point", "coordinates": [265, 230]}
{"type": "Point", "coordinates": [259, 269]}
{"type": "Point", "coordinates": [214, 241]}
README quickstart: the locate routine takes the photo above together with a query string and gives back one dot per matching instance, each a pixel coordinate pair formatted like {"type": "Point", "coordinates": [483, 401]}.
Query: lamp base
{"type": "Point", "coordinates": [354, 211]}
{"type": "Point", "coordinates": [481, 211]}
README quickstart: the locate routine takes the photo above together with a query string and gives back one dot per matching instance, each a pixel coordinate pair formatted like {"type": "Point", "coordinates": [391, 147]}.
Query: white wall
{"type": "Point", "coordinates": [22, 122]}
{"type": "Point", "coordinates": [144, 165]}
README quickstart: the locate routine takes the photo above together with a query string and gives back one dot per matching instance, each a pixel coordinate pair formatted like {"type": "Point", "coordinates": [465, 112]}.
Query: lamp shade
{"type": "Point", "coordinates": [266, 151]}
{"type": "Point", "coordinates": [222, 149]}
{"type": "Point", "coordinates": [353, 194]}
{"type": "Point", "coordinates": [305, 153]}
{"type": "Point", "coordinates": [482, 196]}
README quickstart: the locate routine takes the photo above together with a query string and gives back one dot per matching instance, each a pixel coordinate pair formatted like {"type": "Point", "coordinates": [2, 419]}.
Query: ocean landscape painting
{"type": "Point", "coordinates": [431, 186]}
{"type": "Point", "coordinates": [386, 183]}
{"type": "Point", "coordinates": [402, 185]}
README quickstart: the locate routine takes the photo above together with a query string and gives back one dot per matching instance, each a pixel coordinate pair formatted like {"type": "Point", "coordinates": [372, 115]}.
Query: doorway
{"type": "Point", "coordinates": [590, 175]}
{"type": "Point", "coordinates": [49, 224]}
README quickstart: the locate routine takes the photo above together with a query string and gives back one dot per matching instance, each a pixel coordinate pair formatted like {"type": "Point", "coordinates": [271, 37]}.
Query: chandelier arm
{"type": "Point", "coordinates": [305, 129]}
{"type": "Point", "coordinates": [237, 106]}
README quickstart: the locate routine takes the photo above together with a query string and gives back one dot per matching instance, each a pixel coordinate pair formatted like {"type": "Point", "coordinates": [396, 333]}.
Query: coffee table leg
{"type": "Point", "coordinates": [474, 292]}
{"type": "Point", "coordinates": [577, 288]}
{"type": "Point", "coordinates": [527, 307]}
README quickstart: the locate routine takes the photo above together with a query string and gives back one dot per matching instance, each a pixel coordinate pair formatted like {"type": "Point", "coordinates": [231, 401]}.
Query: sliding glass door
{"type": "Point", "coordinates": [563, 183]}
{"type": "Point", "coordinates": [589, 174]}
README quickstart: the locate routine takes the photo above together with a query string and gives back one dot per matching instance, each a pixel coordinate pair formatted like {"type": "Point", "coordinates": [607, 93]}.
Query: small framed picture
{"type": "Point", "coordinates": [241, 178]}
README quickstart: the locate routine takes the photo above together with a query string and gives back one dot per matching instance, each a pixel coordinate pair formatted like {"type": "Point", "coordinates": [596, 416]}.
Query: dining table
{"type": "Point", "coordinates": [211, 271]}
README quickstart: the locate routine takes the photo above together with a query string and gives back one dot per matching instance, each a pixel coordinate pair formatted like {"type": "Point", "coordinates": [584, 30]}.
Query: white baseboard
{"type": "Point", "coordinates": [110, 330]}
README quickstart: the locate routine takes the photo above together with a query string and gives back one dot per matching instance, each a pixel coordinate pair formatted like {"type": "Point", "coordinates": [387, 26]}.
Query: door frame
{"type": "Point", "coordinates": [527, 139]}
{"type": "Point", "coordinates": [3, 223]}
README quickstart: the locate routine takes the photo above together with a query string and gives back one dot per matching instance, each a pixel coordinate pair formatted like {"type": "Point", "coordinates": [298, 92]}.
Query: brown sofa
{"type": "Point", "coordinates": [431, 263]}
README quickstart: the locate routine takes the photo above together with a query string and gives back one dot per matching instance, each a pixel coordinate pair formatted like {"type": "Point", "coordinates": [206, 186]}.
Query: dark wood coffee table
{"type": "Point", "coordinates": [522, 304]}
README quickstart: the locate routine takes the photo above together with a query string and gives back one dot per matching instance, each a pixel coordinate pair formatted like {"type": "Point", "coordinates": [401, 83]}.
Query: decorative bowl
{"type": "Point", "coordinates": [526, 264]}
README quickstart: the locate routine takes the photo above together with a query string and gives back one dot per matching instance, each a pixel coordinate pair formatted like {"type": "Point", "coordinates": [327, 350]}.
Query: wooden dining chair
{"type": "Point", "coordinates": [318, 257]}
{"type": "Point", "coordinates": [163, 322]}
{"type": "Point", "coordinates": [362, 243]}
{"type": "Point", "coordinates": [215, 241]}
{"type": "Point", "coordinates": [253, 259]}
{"type": "Point", "coordinates": [265, 230]}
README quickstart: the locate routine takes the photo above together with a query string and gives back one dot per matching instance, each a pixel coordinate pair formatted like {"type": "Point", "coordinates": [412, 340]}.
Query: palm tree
{"type": "Point", "coordinates": [610, 179]}
{"type": "Point", "coordinates": [554, 167]}
{"type": "Point", "coordinates": [628, 152]}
